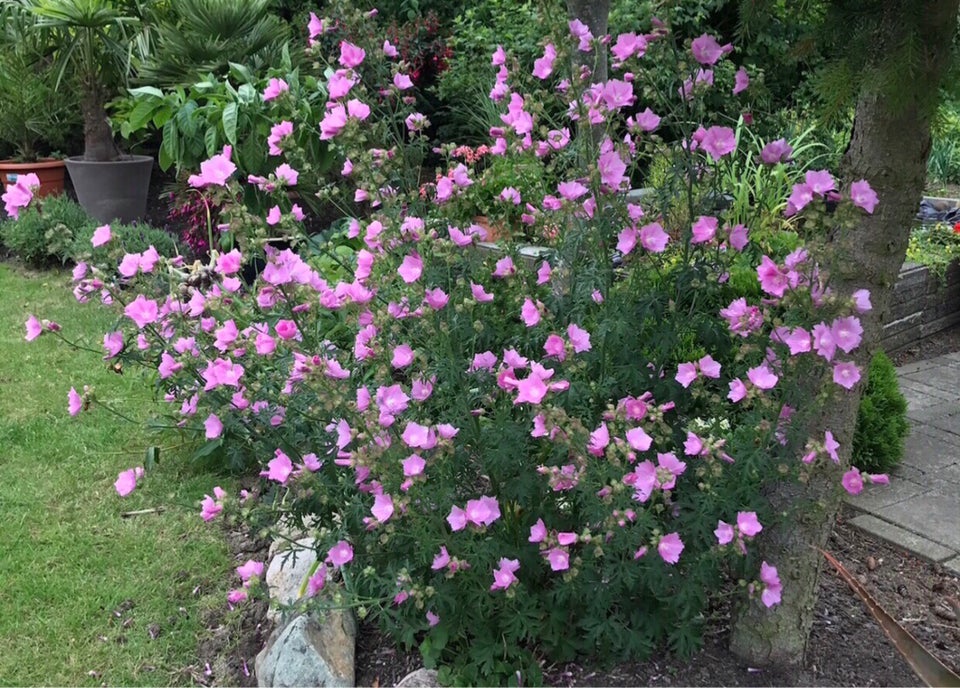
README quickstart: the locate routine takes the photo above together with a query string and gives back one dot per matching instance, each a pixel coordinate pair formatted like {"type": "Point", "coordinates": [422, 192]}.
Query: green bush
{"type": "Point", "coordinates": [125, 239]}
{"type": "Point", "coordinates": [46, 233]}
{"type": "Point", "coordinates": [882, 421]}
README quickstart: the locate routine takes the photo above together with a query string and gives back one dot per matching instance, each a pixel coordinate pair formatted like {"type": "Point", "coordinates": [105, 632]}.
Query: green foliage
{"type": "Point", "coordinates": [125, 238]}
{"type": "Point", "coordinates": [36, 117]}
{"type": "Point", "coordinates": [943, 165]}
{"type": "Point", "coordinates": [203, 37]}
{"type": "Point", "coordinates": [935, 246]}
{"type": "Point", "coordinates": [45, 233]}
{"type": "Point", "coordinates": [882, 421]}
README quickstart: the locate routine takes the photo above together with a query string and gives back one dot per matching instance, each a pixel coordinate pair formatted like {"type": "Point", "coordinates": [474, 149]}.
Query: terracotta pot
{"type": "Point", "coordinates": [49, 170]}
{"type": "Point", "coordinates": [493, 231]}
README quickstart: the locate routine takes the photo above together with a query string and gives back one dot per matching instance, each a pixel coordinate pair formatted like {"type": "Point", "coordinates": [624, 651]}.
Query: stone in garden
{"type": "Point", "coordinates": [310, 652]}
{"type": "Point", "coordinates": [286, 574]}
{"type": "Point", "coordinates": [421, 678]}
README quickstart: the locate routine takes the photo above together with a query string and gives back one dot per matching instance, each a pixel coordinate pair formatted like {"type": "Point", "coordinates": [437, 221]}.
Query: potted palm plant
{"type": "Point", "coordinates": [36, 117]}
{"type": "Point", "coordinates": [96, 41]}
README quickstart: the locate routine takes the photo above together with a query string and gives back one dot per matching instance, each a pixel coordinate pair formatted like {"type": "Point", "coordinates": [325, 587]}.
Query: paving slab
{"type": "Point", "coordinates": [934, 515]}
{"type": "Point", "coordinates": [942, 377]}
{"type": "Point", "coordinates": [904, 539]}
{"type": "Point", "coordinates": [876, 497]}
{"type": "Point", "coordinates": [918, 366]}
{"type": "Point", "coordinates": [953, 565]}
{"type": "Point", "coordinates": [948, 423]}
{"type": "Point", "coordinates": [930, 452]}
{"type": "Point", "coordinates": [933, 411]}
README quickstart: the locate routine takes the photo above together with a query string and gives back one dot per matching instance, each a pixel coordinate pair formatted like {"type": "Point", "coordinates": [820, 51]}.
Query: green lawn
{"type": "Point", "coordinates": [68, 560]}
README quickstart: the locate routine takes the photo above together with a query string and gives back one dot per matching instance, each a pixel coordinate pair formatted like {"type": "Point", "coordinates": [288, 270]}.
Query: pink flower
{"type": "Point", "coordinates": [599, 439]}
{"type": "Point", "coordinates": [724, 533]}
{"type": "Point", "coordinates": [20, 193]}
{"type": "Point", "coordinates": [532, 389]}
{"type": "Point", "coordinates": [213, 172]}
{"type": "Point", "coordinates": [251, 569]}
{"type": "Point", "coordinates": [776, 151]}
{"type": "Point", "coordinates": [538, 532]}
{"type": "Point", "coordinates": [34, 328]}
{"type": "Point", "coordinates": [457, 518]}
{"type": "Point", "coordinates": [382, 508]}
{"type": "Point", "coordinates": [772, 588]}
{"type": "Point", "coordinates": [800, 197]}
{"type": "Point", "coordinates": [402, 356]}
{"type": "Point", "coordinates": [499, 57]}
{"type": "Point", "coordinates": [861, 300]}
{"type": "Point", "coordinates": [441, 560]}
{"type": "Point", "coordinates": [142, 311]}
{"type": "Point", "coordinates": [686, 374]}
{"type": "Point", "coordinates": [350, 55]}
{"type": "Point", "coordinates": [278, 132]}
{"type": "Point", "coordinates": [718, 141]}
{"type": "Point", "coordinates": [126, 482]}
{"type": "Point", "coordinates": [579, 338]}
{"type": "Point", "coordinates": [413, 465]}
{"type": "Point", "coordinates": [312, 462]}
{"type": "Point", "coordinates": [275, 87]}
{"type": "Point", "coordinates": [543, 66]}
{"type": "Point", "coordinates": [287, 174]}
{"type": "Point", "coordinates": [772, 279]}
{"type": "Point", "coordinates": [402, 81]}
{"type": "Point", "coordinates": [418, 436]}
{"type": "Point", "coordinates": [209, 508]}
{"type": "Point", "coordinates": [799, 341]}
{"type": "Point", "coordinates": [627, 45]}
{"type": "Point", "coordinates": [741, 80]}
{"type": "Point", "coordinates": [820, 181]}
{"type": "Point", "coordinates": [709, 367]}
{"type": "Point", "coordinates": [213, 427]}
{"type": "Point", "coordinates": [863, 196]}
{"type": "Point", "coordinates": [823, 341]}
{"type": "Point", "coordinates": [627, 240]}
{"type": "Point", "coordinates": [571, 190]}
{"type": "Point", "coordinates": [581, 31]}
{"type": "Point", "coordinates": [503, 577]}
{"type": "Point", "coordinates": [237, 596]}
{"type": "Point", "coordinates": [653, 238]}
{"type": "Point", "coordinates": [704, 229]}
{"type": "Point", "coordinates": [847, 333]}
{"type": "Point", "coordinates": [317, 581]}
{"type": "Point", "coordinates": [648, 120]}
{"type": "Point", "coordinates": [738, 390]}
{"type": "Point", "coordinates": [411, 268]}
{"type": "Point", "coordinates": [748, 524]}
{"type": "Point", "coordinates": [707, 51]}
{"type": "Point", "coordinates": [831, 446]}
{"type": "Point", "coordinates": [483, 511]}
{"type": "Point", "coordinates": [612, 168]}
{"type": "Point", "coordinates": [559, 559]}
{"type": "Point", "coordinates": [101, 235]}
{"type": "Point", "coordinates": [274, 215]}
{"type": "Point", "coordinates": [504, 267]}
{"type": "Point", "coordinates": [762, 377]}
{"type": "Point", "coordinates": [389, 50]}
{"type": "Point", "coordinates": [358, 109]}
{"type": "Point", "coordinates": [432, 619]}
{"type": "Point", "coordinates": [280, 468]}
{"type": "Point", "coordinates": [670, 547]}
{"type": "Point", "coordinates": [638, 439]}
{"type": "Point", "coordinates": [846, 374]}
{"type": "Point", "coordinates": [333, 122]}
{"type": "Point", "coordinates": [287, 329]}
{"type": "Point", "coordinates": [530, 312]}
{"type": "Point", "coordinates": [479, 294]}
{"type": "Point", "coordinates": [340, 554]}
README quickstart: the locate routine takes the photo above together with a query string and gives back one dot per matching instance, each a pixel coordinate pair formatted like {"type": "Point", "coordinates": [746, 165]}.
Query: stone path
{"type": "Point", "coordinates": [920, 510]}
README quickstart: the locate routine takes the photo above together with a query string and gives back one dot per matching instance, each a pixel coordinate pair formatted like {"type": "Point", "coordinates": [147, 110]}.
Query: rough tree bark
{"type": "Point", "coordinates": [97, 135]}
{"type": "Point", "coordinates": [889, 147]}
{"type": "Point", "coordinates": [593, 13]}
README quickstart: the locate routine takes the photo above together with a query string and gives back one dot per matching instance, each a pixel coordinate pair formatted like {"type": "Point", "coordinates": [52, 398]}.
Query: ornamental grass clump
{"type": "Point", "coordinates": [507, 458]}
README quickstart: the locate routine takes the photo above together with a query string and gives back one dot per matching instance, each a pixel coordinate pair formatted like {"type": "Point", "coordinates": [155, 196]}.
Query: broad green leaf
{"type": "Point", "coordinates": [211, 141]}
{"type": "Point", "coordinates": [229, 120]}
{"type": "Point", "coordinates": [146, 91]}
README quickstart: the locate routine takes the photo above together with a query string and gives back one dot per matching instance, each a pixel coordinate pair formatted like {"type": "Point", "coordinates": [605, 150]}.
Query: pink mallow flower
{"type": "Point", "coordinates": [771, 588]}
{"type": "Point", "coordinates": [504, 576]}
{"type": "Point", "coordinates": [275, 87]}
{"type": "Point", "coordinates": [213, 172]}
{"type": "Point", "coordinates": [670, 547]}
{"type": "Point", "coordinates": [127, 480]}
{"type": "Point", "coordinates": [863, 196]}
{"type": "Point", "coordinates": [340, 554]}
{"type": "Point", "coordinates": [279, 468]}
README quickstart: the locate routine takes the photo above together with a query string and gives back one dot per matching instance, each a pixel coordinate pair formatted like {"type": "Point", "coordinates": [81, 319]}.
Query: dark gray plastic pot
{"type": "Point", "coordinates": [115, 190]}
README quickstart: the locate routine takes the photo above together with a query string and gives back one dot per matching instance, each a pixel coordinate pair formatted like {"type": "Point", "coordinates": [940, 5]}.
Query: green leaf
{"type": "Point", "coordinates": [241, 72]}
{"type": "Point", "coordinates": [211, 141]}
{"type": "Point", "coordinates": [140, 115]}
{"type": "Point", "coordinates": [207, 449]}
{"type": "Point", "coordinates": [247, 93]}
{"type": "Point", "coordinates": [146, 91]}
{"type": "Point", "coordinates": [152, 458]}
{"type": "Point", "coordinates": [229, 120]}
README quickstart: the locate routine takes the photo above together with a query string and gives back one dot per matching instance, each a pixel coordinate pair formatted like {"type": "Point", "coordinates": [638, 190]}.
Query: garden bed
{"type": "Point", "coordinates": [922, 305]}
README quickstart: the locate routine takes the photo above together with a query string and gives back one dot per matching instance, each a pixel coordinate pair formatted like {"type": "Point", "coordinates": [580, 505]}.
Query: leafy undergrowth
{"type": "Point", "coordinates": [88, 596]}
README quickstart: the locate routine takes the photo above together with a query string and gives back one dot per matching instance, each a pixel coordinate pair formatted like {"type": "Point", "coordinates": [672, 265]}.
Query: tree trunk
{"type": "Point", "coordinates": [98, 143]}
{"type": "Point", "coordinates": [889, 148]}
{"type": "Point", "coordinates": [593, 13]}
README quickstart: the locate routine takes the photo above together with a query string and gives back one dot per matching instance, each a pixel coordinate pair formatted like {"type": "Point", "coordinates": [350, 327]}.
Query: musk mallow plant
{"type": "Point", "coordinates": [509, 456]}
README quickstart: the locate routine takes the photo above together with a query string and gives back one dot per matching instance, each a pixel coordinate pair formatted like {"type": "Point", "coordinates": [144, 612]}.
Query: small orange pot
{"type": "Point", "coordinates": [49, 170]}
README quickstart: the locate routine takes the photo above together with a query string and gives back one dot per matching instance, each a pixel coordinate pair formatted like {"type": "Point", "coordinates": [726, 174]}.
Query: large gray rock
{"type": "Point", "coordinates": [286, 574]}
{"type": "Point", "coordinates": [310, 652]}
{"type": "Point", "coordinates": [421, 678]}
